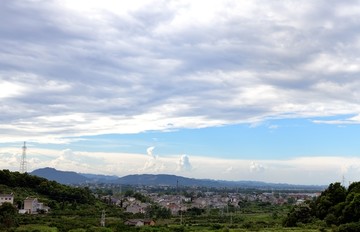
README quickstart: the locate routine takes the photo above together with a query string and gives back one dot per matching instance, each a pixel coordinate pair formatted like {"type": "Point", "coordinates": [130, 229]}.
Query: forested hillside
{"type": "Point", "coordinates": [44, 187]}
{"type": "Point", "coordinates": [70, 207]}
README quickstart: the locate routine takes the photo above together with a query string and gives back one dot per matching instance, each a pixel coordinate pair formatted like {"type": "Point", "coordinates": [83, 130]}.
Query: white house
{"type": "Point", "coordinates": [31, 205]}
{"type": "Point", "coordinates": [6, 198]}
{"type": "Point", "coordinates": [139, 222]}
{"type": "Point", "coordinates": [135, 209]}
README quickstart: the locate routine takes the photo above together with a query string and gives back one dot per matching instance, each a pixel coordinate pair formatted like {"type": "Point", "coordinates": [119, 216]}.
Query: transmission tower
{"type": "Point", "coordinates": [23, 168]}
{"type": "Point", "coordinates": [102, 222]}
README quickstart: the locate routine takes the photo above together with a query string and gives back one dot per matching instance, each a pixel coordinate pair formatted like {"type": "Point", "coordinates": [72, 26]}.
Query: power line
{"type": "Point", "coordinates": [23, 166]}
{"type": "Point", "coordinates": [102, 222]}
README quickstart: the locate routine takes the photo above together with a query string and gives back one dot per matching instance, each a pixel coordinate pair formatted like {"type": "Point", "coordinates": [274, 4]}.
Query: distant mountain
{"type": "Point", "coordinates": [275, 186]}
{"type": "Point", "coordinates": [162, 180]}
{"type": "Point", "coordinates": [63, 177]}
{"type": "Point", "coordinates": [173, 180]}
{"type": "Point", "coordinates": [100, 178]}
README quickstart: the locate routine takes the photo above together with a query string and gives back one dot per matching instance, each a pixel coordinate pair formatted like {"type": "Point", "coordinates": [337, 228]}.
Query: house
{"type": "Point", "coordinates": [31, 205]}
{"type": "Point", "coordinates": [135, 209]}
{"type": "Point", "coordinates": [139, 222]}
{"type": "Point", "coordinates": [42, 207]}
{"type": "Point", "coordinates": [6, 198]}
{"type": "Point", "coordinates": [174, 208]}
{"type": "Point", "coordinates": [300, 202]}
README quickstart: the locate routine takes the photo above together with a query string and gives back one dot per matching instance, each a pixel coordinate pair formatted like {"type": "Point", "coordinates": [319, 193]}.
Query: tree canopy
{"type": "Point", "coordinates": [336, 205]}
{"type": "Point", "coordinates": [7, 215]}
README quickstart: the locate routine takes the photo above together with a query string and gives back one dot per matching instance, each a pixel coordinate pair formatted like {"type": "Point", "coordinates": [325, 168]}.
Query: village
{"type": "Point", "coordinates": [177, 203]}
{"type": "Point", "coordinates": [189, 199]}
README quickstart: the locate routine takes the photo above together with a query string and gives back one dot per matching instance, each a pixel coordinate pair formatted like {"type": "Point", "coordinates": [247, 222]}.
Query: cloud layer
{"type": "Point", "coordinates": [300, 170]}
{"type": "Point", "coordinates": [75, 68]}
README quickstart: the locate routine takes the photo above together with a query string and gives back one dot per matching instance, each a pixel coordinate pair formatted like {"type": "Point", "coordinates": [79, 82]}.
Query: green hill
{"type": "Point", "coordinates": [70, 207]}
{"type": "Point", "coordinates": [25, 185]}
{"type": "Point", "coordinates": [63, 177]}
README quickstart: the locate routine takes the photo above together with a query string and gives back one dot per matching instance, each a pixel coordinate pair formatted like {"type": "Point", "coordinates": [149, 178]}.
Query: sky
{"type": "Point", "coordinates": [261, 90]}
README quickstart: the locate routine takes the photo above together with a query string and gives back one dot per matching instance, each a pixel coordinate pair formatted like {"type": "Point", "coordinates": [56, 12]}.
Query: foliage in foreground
{"type": "Point", "coordinates": [335, 206]}
{"type": "Point", "coordinates": [7, 215]}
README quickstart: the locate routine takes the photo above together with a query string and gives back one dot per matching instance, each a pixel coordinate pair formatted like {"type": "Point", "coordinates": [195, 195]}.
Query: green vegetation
{"type": "Point", "coordinates": [336, 207]}
{"type": "Point", "coordinates": [8, 215]}
{"type": "Point", "coordinates": [41, 186]}
{"type": "Point", "coordinates": [71, 207]}
{"type": "Point", "coordinates": [36, 228]}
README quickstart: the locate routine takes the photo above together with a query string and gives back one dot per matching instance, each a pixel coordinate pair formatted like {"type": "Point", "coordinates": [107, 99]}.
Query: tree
{"type": "Point", "coordinates": [326, 203]}
{"type": "Point", "coordinates": [194, 211]}
{"type": "Point", "coordinates": [354, 187]}
{"type": "Point", "coordinates": [351, 212]}
{"type": "Point", "coordinates": [156, 211]}
{"type": "Point", "coordinates": [129, 193]}
{"type": "Point", "coordinates": [335, 205]}
{"type": "Point", "coordinates": [8, 215]}
{"type": "Point", "coordinates": [298, 214]}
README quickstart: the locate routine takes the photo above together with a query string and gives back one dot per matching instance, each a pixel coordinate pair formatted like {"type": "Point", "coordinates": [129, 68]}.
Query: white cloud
{"type": "Point", "coordinates": [74, 68]}
{"type": "Point", "coordinates": [229, 169]}
{"type": "Point", "coordinates": [8, 89]}
{"type": "Point", "coordinates": [149, 151]}
{"type": "Point", "coordinates": [184, 163]}
{"type": "Point", "coordinates": [256, 167]}
{"type": "Point", "coordinates": [77, 68]}
{"type": "Point", "coordinates": [153, 165]}
{"type": "Point", "coordinates": [350, 120]}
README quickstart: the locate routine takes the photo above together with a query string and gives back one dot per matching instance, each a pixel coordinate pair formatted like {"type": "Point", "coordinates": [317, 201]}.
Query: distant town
{"type": "Point", "coordinates": [190, 197]}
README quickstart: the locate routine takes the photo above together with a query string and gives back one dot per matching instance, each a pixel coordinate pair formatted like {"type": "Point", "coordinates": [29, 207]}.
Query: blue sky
{"type": "Point", "coordinates": [273, 139]}
{"type": "Point", "coordinates": [241, 90]}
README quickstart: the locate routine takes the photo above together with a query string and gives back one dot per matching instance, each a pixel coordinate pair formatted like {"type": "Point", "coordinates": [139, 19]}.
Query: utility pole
{"type": "Point", "coordinates": [23, 168]}
{"type": "Point", "coordinates": [102, 222]}
{"type": "Point", "coordinates": [180, 203]}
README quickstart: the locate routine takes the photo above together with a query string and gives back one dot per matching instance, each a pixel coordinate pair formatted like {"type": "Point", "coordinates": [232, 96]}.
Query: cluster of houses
{"type": "Point", "coordinates": [177, 203]}
{"type": "Point", "coordinates": [30, 206]}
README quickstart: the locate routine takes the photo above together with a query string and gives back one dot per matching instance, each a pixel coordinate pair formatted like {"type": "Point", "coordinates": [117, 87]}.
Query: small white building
{"type": "Point", "coordinates": [135, 209]}
{"type": "Point", "coordinates": [139, 222]}
{"type": "Point", "coordinates": [31, 205]}
{"type": "Point", "coordinates": [6, 198]}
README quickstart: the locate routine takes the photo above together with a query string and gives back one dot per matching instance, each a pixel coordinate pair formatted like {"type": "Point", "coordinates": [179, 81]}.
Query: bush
{"type": "Point", "coordinates": [179, 229]}
{"type": "Point", "coordinates": [330, 219]}
{"type": "Point", "coordinates": [216, 226]}
{"type": "Point", "coordinates": [349, 227]}
{"type": "Point", "coordinates": [8, 215]}
{"type": "Point", "coordinates": [299, 214]}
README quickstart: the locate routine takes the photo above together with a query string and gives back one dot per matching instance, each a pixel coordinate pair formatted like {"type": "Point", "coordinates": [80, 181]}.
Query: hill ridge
{"type": "Point", "coordinates": [70, 177]}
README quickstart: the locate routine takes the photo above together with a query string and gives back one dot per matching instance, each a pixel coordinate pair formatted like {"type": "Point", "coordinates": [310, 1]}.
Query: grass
{"type": "Point", "coordinates": [36, 228]}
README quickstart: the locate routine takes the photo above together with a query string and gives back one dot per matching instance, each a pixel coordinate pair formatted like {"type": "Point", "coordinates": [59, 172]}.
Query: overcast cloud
{"type": "Point", "coordinates": [74, 68]}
